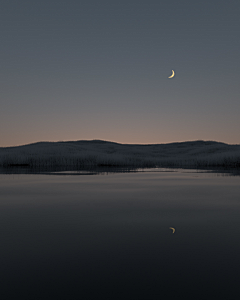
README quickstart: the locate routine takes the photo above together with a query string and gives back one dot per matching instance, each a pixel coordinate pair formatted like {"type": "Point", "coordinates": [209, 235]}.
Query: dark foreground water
{"type": "Point", "coordinates": [108, 237]}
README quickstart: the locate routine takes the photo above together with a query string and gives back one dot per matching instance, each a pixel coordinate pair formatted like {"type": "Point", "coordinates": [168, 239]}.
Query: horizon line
{"type": "Point", "coordinates": [107, 141]}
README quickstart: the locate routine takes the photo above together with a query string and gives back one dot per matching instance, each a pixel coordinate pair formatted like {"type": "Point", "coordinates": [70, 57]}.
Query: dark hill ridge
{"type": "Point", "coordinates": [102, 142]}
{"type": "Point", "coordinates": [198, 142]}
{"type": "Point", "coordinates": [104, 153]}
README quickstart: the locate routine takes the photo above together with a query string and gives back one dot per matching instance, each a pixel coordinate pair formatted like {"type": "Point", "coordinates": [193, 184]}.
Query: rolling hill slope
{"type": "Point", "coordinates": [104, 153]}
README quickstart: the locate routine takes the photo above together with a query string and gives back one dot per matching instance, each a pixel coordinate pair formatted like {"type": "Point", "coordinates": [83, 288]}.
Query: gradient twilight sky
{"type": "Point", "coordinates": [82, 70]}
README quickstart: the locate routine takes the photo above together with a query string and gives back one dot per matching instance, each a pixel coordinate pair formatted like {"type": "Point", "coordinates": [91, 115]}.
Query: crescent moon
{"type": "Point", "coordinates": [173, 74]}
{"type": "Point", "coordinates": [173, 229]}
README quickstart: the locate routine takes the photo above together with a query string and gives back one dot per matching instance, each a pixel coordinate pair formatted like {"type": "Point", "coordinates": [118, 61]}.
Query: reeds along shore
{"type": "Point", "coordinates": [100, 153]}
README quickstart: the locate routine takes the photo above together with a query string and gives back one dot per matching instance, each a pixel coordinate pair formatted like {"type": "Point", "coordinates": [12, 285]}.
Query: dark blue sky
{"type": "Point", "coordinates": [73, 70]}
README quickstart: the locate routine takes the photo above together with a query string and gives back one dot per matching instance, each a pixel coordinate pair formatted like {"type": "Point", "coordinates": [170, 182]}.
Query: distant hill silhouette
{"type": "Point", "coordinates": [197, 153]}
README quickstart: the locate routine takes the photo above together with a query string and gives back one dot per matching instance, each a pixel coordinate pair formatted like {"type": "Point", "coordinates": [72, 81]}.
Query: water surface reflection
{"type": "Point", "coordinates": [108, 237]}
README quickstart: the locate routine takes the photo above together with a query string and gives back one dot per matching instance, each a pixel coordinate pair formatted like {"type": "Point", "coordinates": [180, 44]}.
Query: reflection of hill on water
{"type": "Point", "coordinates": [102, 154]}
{"type": "Point", "coordinates": [71, 170]}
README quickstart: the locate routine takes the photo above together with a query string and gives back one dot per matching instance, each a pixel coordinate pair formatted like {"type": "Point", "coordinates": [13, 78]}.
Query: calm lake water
{"type": "Point", "coordinates": [108, 237]}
